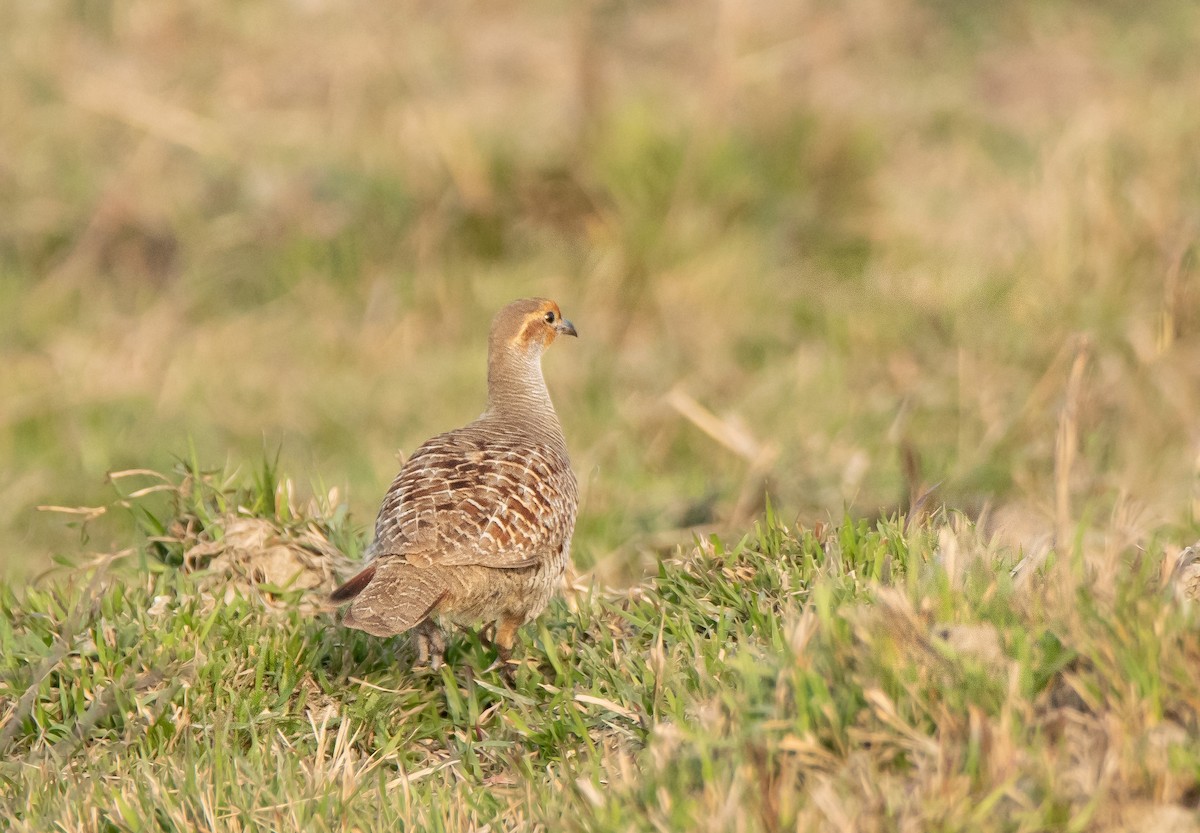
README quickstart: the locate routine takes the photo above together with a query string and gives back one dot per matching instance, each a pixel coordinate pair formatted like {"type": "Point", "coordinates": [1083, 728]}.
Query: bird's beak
{"type": "Point", "coordinates": [565, 328]}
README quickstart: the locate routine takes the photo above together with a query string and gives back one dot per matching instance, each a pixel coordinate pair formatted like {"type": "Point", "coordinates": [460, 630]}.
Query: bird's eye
{"type": "Point", "coordinates": [550, 317]}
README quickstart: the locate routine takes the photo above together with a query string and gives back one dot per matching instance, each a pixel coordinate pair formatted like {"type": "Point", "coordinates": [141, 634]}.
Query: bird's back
{"type": "Point", "coordinates": [484, 494]}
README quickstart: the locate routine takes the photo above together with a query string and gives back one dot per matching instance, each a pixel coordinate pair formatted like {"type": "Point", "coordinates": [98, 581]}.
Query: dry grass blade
{"type": "Point", "coordinates": [410, 778]}
{"type": "Point", "coordinates": [916, 508]}
{"type": "Point", "coordinates": [163, 119]}
{"type": "Point", "coordinates": [1066, 445]}
{"type": "Point", "coordinates": [727, 432]}
{"type": "Point", "coordinates": [121, 475]}
{"type": "Point", "coordinates": [88, 513]}
{"type": "Point", "coordinates": [605, 703]}
{"type": "Point", "coordinates": [735, 436]}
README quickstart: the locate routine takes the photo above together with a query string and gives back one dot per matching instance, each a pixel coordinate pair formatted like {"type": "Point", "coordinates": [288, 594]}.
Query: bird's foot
{"type": "Point", "coordinates": [487, 636]}
{"type": "Point", "coordinates": [501, 635]}
{"type": "Point", "coordinates": [507, 668]}
{"type": "Point", "coordinates": [431, 645]}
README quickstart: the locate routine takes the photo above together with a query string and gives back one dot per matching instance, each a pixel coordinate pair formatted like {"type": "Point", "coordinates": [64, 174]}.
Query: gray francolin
{"type": "Point", "coordinates": [477, 526]}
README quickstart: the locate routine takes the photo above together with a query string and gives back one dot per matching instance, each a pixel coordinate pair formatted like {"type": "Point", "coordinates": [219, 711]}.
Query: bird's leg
{"type": "Point", "coordinates": [431, 644]}
{"type": "Point", "coordinates": [506, 634]}
{"type": "Point", "coordinates": [487, 635]}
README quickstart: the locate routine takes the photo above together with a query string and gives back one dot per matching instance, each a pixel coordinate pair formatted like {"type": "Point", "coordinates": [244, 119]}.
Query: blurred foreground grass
{"type": "Point", "coordinates": [867, 238]}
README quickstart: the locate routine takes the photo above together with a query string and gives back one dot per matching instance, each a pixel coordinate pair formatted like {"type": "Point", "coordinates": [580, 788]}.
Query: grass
{"type": "Point", "coordinates": [885, 675]}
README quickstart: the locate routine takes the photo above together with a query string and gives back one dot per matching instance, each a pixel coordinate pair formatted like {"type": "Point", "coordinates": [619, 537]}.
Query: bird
{"type": "Point", "coordinates": [477, 526]}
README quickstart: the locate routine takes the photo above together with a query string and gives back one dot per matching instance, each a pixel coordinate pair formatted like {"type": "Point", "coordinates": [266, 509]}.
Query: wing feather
{"type": "Point", "coordinates": [467, 498]}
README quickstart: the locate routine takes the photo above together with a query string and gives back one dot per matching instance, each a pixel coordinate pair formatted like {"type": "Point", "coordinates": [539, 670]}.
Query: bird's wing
{"type": "Point", "coordinates": [466, 499]}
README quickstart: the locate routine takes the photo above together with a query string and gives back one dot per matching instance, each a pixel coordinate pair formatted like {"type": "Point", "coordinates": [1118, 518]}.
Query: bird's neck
{"type": "Point", "coordinates": [517, 393]}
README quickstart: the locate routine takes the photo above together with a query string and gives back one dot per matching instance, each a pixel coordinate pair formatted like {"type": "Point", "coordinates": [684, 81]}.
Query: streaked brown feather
{"type": "Point", "coordinates": [502, 511]}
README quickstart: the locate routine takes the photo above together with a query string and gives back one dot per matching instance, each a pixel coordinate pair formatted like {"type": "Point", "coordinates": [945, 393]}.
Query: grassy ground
{"type": "Point", "coordinates": [858, 676]}
{"type": "Point", "coordinates": [831, 252]}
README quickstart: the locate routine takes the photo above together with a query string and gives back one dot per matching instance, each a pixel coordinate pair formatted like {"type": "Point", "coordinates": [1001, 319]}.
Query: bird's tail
{"type": "Point", "coordinates": [354, 586]}
{"type": "Point", "coordinates": [391, 596]}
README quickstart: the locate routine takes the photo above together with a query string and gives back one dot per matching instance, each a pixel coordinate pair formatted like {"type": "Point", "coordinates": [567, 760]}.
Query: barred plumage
{"type": "Point", "coordinates": [477, 526]}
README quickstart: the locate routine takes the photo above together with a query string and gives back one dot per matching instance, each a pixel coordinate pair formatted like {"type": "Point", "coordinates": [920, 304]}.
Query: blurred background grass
{"type": "Point", "coordinates": [836, 250]}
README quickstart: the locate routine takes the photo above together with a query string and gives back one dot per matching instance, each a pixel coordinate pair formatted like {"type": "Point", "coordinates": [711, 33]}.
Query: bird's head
{"type": "Point", "coordinates": [528, 326]}
{"type": "Point", "coordinates": [521, 332]}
